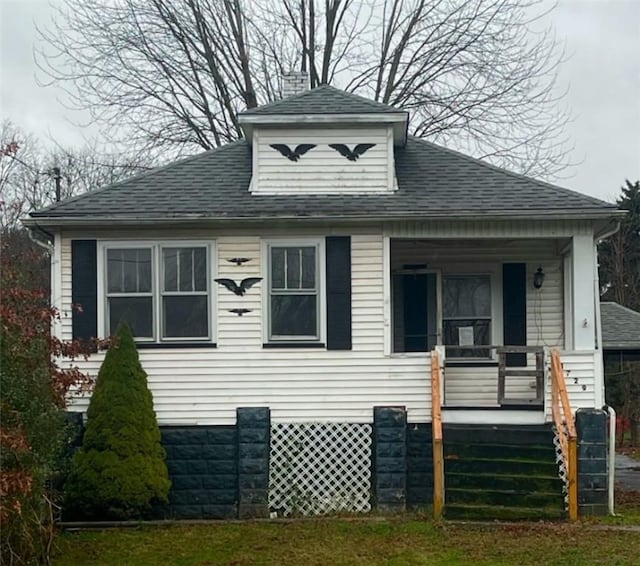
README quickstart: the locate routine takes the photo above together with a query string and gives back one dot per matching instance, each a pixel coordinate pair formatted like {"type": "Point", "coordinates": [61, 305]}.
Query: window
{"type": "Point", "coordinates": [185, 299]}
{"type": "Point", "coordinates": [129, 290]}
{"type": "Point", "coordinates": [293, 299]}
{"type": "Point", "coordinates": [466, 315]}
{"type": "Point", "coordinates": [161, 291]}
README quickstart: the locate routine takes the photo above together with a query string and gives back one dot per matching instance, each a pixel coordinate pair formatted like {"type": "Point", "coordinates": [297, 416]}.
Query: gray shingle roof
{"type": "Point", "coordinates": [324, 99]}
{"type": "Point", "coordinates": [620, 327]}
{"type": "Point", "coordinates": [433, 182]}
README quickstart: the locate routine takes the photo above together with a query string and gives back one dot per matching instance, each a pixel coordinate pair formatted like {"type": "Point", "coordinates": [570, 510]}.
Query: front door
{"type": "Point", "coordinates": [416, 306]}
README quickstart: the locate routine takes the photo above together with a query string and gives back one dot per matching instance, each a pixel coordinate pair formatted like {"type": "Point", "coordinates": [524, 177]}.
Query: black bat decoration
{"type": "Point", "coordinates": [294, 155]}
{"type": "Point", "coordinates": [241, 289]}
{"type": "Point", "coordinates": [239, 260]}
{"type": "Point", "coordinates": [239, 312]}
{"type": "Point", "coordinates": [344, 150]}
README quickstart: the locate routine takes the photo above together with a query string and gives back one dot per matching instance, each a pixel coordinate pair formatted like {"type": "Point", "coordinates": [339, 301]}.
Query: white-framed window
{"type": "Point", "coordinates": [295, 297]}
{"type": "Point", "coordinates": [467, 314]}
{"type": "Point", "coordinates": [129, 282]}
{"type": "Point", "coordinates": [163, 290]}
{"type": "Point", "coordinates": [454, 309]}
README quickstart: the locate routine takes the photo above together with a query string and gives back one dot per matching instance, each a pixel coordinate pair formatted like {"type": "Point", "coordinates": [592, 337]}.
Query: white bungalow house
{"type": "Point", "coordinates": [286, 292]}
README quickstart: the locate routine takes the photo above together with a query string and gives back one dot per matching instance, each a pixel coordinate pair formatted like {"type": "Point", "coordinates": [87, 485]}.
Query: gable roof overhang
{"type": "Point", "coordinates": [399, 121]}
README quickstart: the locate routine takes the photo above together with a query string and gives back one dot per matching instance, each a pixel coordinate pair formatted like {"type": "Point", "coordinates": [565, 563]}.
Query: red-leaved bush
{"type": "Point", "coordinates": [37, 373]}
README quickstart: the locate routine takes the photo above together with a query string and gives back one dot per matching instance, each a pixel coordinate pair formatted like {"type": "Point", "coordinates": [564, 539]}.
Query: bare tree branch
{"type": "Point", "coordinates": [27, 178]}
{"type": "Point", "coordinates": [478, 75]}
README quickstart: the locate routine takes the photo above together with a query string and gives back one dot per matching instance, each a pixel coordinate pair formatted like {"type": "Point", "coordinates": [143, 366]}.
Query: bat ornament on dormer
{"type": "Point", "coordinates": [241, 289]}
{"type": "Point", "coordinates": [292, 155]}
{"type": "Point", "coordinates": [354, 155]}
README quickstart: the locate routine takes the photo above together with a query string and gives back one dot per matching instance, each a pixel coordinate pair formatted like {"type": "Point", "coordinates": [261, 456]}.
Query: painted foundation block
{"type": "Point", "coordinates": [389, 458]}
{"type": "Point", "coordinates": [593, 478]}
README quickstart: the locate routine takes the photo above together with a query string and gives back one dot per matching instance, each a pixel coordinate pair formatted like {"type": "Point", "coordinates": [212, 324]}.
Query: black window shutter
{"type": "Point", "coordinates": [84, 288]}
{"type": "Point", "coordinates": [514, 310]}
{"type": "Point", "coordinates": [338, 252]}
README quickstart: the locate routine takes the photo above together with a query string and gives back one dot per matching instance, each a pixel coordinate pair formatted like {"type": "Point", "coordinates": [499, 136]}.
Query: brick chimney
{"type": "Point", "coordinates": [294, 82]}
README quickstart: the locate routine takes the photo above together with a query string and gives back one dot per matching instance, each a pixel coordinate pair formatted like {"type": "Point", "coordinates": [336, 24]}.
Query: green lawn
{"type": "Point", "coordinates": [336, 542]}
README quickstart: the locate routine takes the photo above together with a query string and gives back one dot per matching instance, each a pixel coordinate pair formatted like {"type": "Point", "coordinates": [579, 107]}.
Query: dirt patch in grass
{"type": "Point", "coordinates": [628, 498]}
{"type": "Point", "coordinates": [337, 542]}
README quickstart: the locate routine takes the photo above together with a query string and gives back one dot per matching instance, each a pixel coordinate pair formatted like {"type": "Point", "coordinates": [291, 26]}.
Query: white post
{"type": "Point", "coordinates": [582, 296]}
{"type": "Point", "coordinates": [598, 355]}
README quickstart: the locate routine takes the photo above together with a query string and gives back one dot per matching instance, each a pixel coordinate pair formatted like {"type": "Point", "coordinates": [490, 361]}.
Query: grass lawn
{"type": "Point", "coordinates": [391, 541]}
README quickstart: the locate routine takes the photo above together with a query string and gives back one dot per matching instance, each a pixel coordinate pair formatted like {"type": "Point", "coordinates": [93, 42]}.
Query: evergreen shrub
{"type": "Point", "coordinates": [120, 471]}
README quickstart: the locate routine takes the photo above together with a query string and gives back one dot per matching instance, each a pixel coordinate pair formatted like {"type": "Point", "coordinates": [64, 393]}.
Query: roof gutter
{"type": "Point", "coordinates": [200, 219]}
{"type": "Point", "coordinates": [47, 244]}
{"type": "Point", "coordinates": [609, 229]}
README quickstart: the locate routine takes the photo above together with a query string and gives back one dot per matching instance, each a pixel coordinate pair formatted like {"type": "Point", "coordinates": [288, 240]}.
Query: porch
{"type": "Point", "coordinates": [494, 308]}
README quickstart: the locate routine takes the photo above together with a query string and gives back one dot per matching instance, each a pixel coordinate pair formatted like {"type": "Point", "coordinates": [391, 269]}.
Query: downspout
{"type": "Point", "coordinates": [46, 245]}
{"type": "Point", "coordinates": [612, 456]}
{"type": "Point", "coordinates": [610, 410]}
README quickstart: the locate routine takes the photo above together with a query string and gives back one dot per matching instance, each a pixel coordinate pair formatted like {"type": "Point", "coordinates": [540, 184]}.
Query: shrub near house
{"type": "Point", "coordinates": [120, 472]}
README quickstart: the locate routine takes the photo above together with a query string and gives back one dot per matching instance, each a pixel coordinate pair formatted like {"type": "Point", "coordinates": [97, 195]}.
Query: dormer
{"type": "Point", "coordinates": [324, 141]}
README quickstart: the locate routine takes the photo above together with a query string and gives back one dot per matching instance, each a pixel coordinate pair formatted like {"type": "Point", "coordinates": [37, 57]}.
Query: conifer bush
{"type": "Point", "coordinates": [120, 470]}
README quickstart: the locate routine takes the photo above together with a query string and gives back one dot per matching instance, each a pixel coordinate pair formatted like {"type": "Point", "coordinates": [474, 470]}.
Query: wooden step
{"type": "Point", "coordinates": [504, 481]}
{"type": "Point", "coordinates": [529, 435]}
{"type": "Point", "coordinates": [504, 498]}
{"type": "Point", "coordinates": [501, 451]}
{"type": "Point", "coordinates": [499, 467]}
{"type": "Point", "coordinates": [497, 512]}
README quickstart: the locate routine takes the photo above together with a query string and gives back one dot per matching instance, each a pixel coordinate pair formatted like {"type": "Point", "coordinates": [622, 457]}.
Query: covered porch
{"type": "Point", "coordinates": [494, 308]}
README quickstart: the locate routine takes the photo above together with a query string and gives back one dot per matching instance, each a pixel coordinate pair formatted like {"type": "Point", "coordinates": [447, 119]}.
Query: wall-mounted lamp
{"type": "Point", "coordinates": [538, 278]}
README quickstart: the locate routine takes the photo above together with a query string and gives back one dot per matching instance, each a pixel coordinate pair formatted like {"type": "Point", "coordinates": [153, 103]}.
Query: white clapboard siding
{"type": "Point", "coordinates": [205, 385]}
{"type": "Point", "coordinates": [580, 372]}
{"type": "Point", "coordinates": [239, 332]}
{"type": "Point", "coordinates": [470, 387]}
{"type": "Point", "coordinates": [322, 170]}
{"type": "Point", "coordinates": [64, 306]}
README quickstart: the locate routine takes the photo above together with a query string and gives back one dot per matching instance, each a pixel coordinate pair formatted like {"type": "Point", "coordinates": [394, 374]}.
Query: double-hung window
{"type": "Point", "coordinates": [130, 290]}
{"type": "Point", "coordinates": [163, 291]}
{"type": "Point", "coordinates": [466, 315]}
{"type": "Point", "coordinates": [294, 292]}
{"type": "Point", "coordinates": [185, 296]}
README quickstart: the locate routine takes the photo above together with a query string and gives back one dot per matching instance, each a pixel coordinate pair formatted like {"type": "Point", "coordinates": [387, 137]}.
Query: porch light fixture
{"type": "Point", "coordinates": [538, 278]}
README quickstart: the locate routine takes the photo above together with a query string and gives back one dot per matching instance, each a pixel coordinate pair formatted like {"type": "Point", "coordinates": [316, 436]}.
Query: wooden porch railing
{"type": "Point", "coordinates": [436, 422]}
{"type": "Point", "coordinates": [565, 425]}
{"type": "Point", "coordinates": [505, 372]}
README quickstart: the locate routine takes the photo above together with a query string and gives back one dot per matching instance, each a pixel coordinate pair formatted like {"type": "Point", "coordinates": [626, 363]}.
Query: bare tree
{"type": "Point", "coordinates": [28, 171]}
{"type": "Point", "coordinates": [475, 74]}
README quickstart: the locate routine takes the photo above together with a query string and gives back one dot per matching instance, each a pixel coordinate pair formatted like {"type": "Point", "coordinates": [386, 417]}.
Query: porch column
{"type": "Point", "coordinates": [582, 293]}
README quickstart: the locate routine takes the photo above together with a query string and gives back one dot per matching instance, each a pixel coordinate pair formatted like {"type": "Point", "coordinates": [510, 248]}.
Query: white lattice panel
{"type": "Point", "coordinates": [320, 468]}
{"type": "Point", "coordinates": [562, 468]}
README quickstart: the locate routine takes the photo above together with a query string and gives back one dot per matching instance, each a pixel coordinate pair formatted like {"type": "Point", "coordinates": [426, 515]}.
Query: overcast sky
{"type": "Point", "coordinates": [602, 74]}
